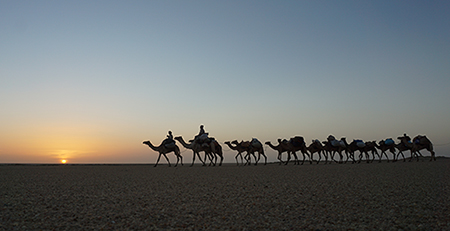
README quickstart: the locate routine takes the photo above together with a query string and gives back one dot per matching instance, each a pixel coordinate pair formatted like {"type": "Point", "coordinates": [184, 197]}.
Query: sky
{"type": "Point", "coordinates": [89, 81]}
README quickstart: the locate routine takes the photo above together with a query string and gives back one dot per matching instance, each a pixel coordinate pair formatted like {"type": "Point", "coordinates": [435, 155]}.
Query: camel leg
{"type": "Point", "coordinates": [332, 156]}
{"type": "Point", "coordinates": [360, 157]}
{"type": "Point", "coordinates": [404, 159]}
{"type": "Point", "coordinates": [206, 158]}
{"type": "Point", "coordinates": [387, 158]}
{"type": "Point", "coordinates": [348, 156]}
{"type": "Point", "coordinates": [179, 157]}
{"type": "Point", "coordinates": [288, 158]}
{"type": "Point", "coordinates": [393, 160]}
{"type": "Point", "coordinates": [326, 153]}
{"type": "Point", "coordinates": [211, 158]}
{"type": "Point", "coordinates": [309, 157]}
{"type": "Point", "coordinates": [200, 158]}
{"type": "Point", "coordinates": [373, 157]}
{"type": "Point", "coordinates": [254, 156]}
{"type": "Point", "coordinates": [433, 155]}
{"type": "Point", "coordinates": [193, 158]}
{"type": "Point", "coordinates": [157, 161]}
{"type": "Point", "coordinates": [215, 158]}
{"type": "Point", "coordinates": [236, 157]}
{"type": "Point", "coordinates": [312, 156]}
{"type": "Point", "coordinates": [279, 158]}
{"type": "Point", "coordinates": [259, 158]}
{"type": "Point", "coordinates": [341, 157]}
{"type": "Point", "coordinates": [393, 156]}
{"type": "Point", "coordinates": [166, 158]}
{"type": "Point", "coordinates": [247, 159]}
{"type": "Point", "coordinates": [296, 158]}
{"type": "Point", "coordinates": [420, 155]}
{"type": "Point", "coordinates": [410, 159]}
{"type": "Point", "coordinates": [265, 158]}
{"type": "Point", "coordinates": [304, 157]}
{"type": "Point", "coordinates": [221, 160]}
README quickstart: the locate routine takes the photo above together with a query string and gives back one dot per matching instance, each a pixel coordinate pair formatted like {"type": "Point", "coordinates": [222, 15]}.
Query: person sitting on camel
{"type": "Point", "coordinates": [202, 135]}
{"type": "Point", "coordinates": [169, 141]}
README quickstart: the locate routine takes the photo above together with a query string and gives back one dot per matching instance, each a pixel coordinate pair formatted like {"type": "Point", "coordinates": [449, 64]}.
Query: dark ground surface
{"type": "Point", "coordinates": [376, 196]}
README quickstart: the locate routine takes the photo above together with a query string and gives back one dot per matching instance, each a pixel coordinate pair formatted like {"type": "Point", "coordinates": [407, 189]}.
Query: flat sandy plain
{"type": "Point", "coordinates": [376, 196]}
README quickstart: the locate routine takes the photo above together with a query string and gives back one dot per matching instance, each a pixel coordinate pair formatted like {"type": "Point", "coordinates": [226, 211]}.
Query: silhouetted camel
{"type": "Point", "coordinates": [163, 150]}
{"type": "Point", "coordinates": [277, 148]}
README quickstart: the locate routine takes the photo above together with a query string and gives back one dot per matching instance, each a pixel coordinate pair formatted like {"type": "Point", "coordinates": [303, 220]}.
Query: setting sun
{"type": "Point", "coordinates": [63, 161]}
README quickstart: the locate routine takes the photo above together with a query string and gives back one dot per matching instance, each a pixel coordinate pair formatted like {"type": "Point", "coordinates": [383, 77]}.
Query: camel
{"type": "Point", "coordinates": [196, 149]}
{"type": "Point", "coordinates": [279, 148]}
{"type": "Point", "coordinates": [295, 144]}
{"type": "Point", "coordinates": [360, 146]}
{"type": "Point", "coordinates": [385, 145]}
{"type": "Point", "coordinates": [249, 147]}
{"type": "Point", "coordinates": [422, 142]}
{"type": "Point", "coordinates": [256, 146]}
{"type": "Point", "coordinates": [371, 146]}
{"type": "Point", "coordinates": [239, 148]}
{"type": "Point", "coordinates": [211, 149]}
{"type": "Point", "coordinates": [216, 149]}
{"type": "Point", "coordinates": [406, 144]}
{"type": "Point", "coordinates": [289, 149]}
{"type": "Point", "coordinates": [349, 150]}
{"type": "Point", "coordinates": [163, 150]}
{"type": "Point", "coordinates": [314, 147]}
{"type": "Point", "coordinates": [334, 146]}
{"type": "Point", "coordinates": [401, 148]}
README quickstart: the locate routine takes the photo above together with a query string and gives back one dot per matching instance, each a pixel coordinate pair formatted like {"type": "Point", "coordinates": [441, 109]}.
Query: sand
{"type": "Point", "coordinates": [376, 196]}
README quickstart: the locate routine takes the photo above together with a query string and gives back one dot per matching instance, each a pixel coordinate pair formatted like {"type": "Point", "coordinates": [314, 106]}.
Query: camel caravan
{"type": "Point", "coordinates": [367, 150]}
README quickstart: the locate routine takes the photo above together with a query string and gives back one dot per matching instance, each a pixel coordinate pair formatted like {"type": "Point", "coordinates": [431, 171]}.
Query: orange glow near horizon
{"type": "Point", "coordinates": [63, 161]}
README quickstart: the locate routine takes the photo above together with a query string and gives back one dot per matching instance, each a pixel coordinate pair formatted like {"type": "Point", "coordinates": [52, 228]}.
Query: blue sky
{"type": "Point", "coordinates": [89, 81]}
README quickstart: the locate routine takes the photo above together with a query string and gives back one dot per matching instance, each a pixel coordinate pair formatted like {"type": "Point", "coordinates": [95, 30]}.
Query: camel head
{"type": "Point", "coordinates": [235, 142]}
{"type": "Point", "coordinates": [146, 142]}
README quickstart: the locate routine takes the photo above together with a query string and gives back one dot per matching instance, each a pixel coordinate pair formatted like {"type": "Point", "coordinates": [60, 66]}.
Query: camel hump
{"type": "Point", "coordinates": [335, 143]}
{"type": "Point", "coordinates": [245, 144]}
{"type": "Point", "coordinates": [255, 143]}
{"type": "Point", "coordinates": [420, 139]}
{"type": "Point", "coordinates": [331, 137]}
{"type": "Point", "coordinates": [389, 141]}
{"type": "Point", "coordinates": [297, 141]}
{"type": "Point", "coordinates": [360, 143]}
{"type": "Point", "coordinates": [170, 145]}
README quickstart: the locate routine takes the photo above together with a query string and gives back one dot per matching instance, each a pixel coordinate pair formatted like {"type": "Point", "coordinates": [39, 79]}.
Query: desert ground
{"type": "Point", "coordinates": [375, 196]}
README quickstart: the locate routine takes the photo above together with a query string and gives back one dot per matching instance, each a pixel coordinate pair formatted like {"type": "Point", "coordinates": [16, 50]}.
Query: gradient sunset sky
{"type": "Point", "coordinates": [88, 81]}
